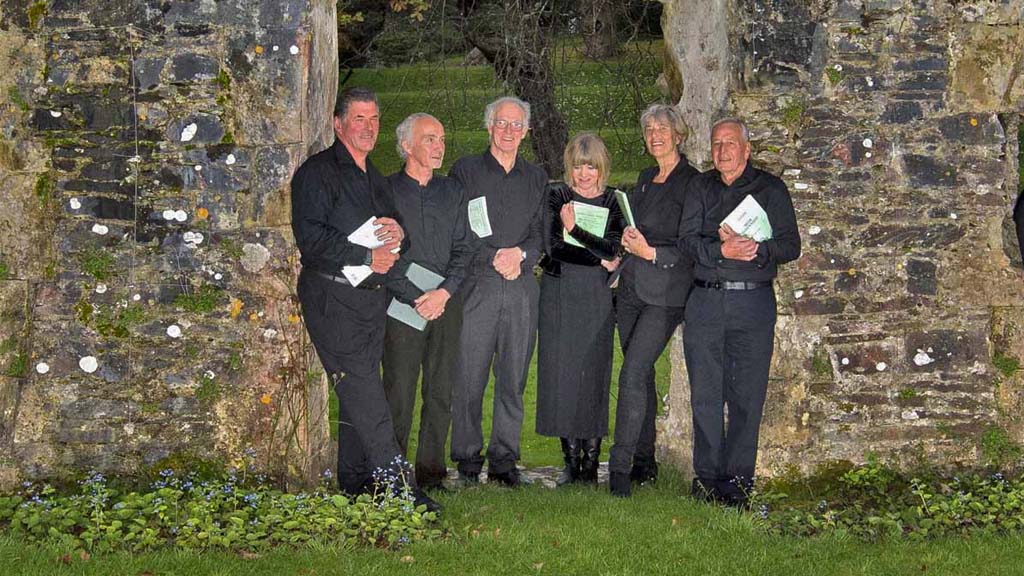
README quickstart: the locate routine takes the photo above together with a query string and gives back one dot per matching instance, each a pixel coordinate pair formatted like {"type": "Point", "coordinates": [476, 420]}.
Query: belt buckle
{"type": "Point", "coordinates": [717, 285]}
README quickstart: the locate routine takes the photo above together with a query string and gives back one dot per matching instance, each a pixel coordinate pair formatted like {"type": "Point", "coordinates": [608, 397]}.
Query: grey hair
{"type": "Point", "coordinates": [736, 121]}
{"type": "Point", "coordinates": [668, 115]}
{"type": "Point", "coordinates": [492, 109]}
{"type": "Point", "coordinates": [354, 94]}
{"type": "Point", "coordinates": [403, 132]}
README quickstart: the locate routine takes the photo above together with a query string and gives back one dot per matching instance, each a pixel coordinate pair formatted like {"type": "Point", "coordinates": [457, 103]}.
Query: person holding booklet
{"type": "Point", "coordinates": [739, 226]}
{"type": "Point", "coordinates": [344, 223]}
{"type": "Point", "coordinates": [581, 243]}
{"type": "Point", "coordinates": [655, 280]}
{"type": "Point", "coordinates": [425, 316]}
{"type": "Point", "coordinates": [500, 293]}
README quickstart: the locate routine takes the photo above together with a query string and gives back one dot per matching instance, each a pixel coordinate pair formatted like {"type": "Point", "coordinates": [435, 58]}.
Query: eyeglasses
{"type": "Point", "coordinates": [515, 125]}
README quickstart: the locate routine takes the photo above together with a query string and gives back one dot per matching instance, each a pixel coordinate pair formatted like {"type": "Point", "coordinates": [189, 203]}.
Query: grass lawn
{"type": "Point", "coordinates": [568, 531]}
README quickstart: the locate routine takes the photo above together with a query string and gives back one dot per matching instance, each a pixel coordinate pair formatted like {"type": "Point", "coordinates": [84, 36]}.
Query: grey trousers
{"type": "Point", "coordinates": [499, 326]}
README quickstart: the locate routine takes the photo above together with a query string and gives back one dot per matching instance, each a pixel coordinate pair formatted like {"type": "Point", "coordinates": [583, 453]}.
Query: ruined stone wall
{"type": "Point", "coordinates": [146, 294]}
{"type": "Point", "coordinates": [894, 124]}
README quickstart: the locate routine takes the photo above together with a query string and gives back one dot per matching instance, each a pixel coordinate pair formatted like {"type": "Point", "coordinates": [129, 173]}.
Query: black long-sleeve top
{"type": "Point", "coordinates": [435, 221]}
{"type": "Point", "coordinates": [331, 198]}
{"type": "Point", "coordinates": [1018, 220]}
{"type": "Point", "coordinates": [596, 248]}
{"type": "Point", "coordinates": [515, 207]}
{"type": "Point", "coordinates": [711, 200]}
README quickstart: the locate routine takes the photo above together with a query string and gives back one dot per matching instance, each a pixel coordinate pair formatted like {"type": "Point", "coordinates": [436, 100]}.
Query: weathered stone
{"type": "Point", "coordinates": [193, 68]}
{"type": "Point", "coordinates": [196, 129]}
{"type": "Point", "coordinates": [973, 129]}
{"type": "Point", "coordinates": [902, 112]}
{"type": "Point", "coordinates": [921, 277]}
{"type": "Point", "coordinates": [927, 171]}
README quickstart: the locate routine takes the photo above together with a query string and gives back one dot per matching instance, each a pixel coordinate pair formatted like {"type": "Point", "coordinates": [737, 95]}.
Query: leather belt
{"type": "Point", "coordinates": [365, 285]}
{"type": "Point", "coordinates": [726, 285]}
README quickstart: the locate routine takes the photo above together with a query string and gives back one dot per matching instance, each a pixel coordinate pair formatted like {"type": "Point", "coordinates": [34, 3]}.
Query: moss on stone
{"type": "Point", "coordinates": [1006, 364]}
{"type": "Point", "coordinates": [834, 76]}
{"type": "Point", "coordinates": [43, 188]}
{"type": "Point", "coordinates": [793, 114]}
{"type": "Point", "coordinates": [18, 366]}
{"type": "Point", "coordinates": [36, 13]}
{"type": "Point", "coordinates": [4, 269]}
{"type": "Point", "coordinates": [96, 263]}
{"type": "Point", "coordinates": [907, 394]}
{"type": "Point", "coordinates": [200, 301]}
{"type": "Point", "coordinates": [208, 391]}
{"type": "Point", "coordinates": [17, 99]}
{"type": "Point", "coordinates": [998, 449]}
{"type": "Point", "coordinates": [821, 364]}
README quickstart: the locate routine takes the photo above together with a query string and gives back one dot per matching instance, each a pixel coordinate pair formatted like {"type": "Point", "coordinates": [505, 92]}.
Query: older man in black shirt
{"type": "Point", "coordinates": [499, 321]}
{"type": "Point", "coordinates": [333, 193]}
{"type": "Point", "coordinates": [730, 316]}
{"type": "Point", "coordinates": [433, 210]}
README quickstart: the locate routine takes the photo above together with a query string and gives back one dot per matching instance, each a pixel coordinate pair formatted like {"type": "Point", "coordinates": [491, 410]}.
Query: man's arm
{"type": "Point", "coordinates": [784, 245]}
{"type": "Point", "coordinates": [461, 175]}
{"type": "Point", "coordinates": [318, 241]}
{"type": "Point", "coordinates": [464, 244]}
{"type": "Point", "coordinates": [704, 249]}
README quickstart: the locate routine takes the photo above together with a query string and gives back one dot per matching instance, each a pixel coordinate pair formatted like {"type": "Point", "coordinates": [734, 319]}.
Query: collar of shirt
{"type": "Point", "coordinates": [343, 156]}
{"type": "Point", "coordinates": [491, 162]}
{"type": "Point", "coordinates": [748, 176]}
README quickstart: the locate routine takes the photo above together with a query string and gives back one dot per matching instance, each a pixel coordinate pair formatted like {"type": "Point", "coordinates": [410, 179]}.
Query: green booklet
{"type": "Point", "coordinates": [627, 212]}
{"type": "Point", "coordinates": [750, 220]}
{"type": "Point", "coordinates": [479, 221]}
{"type": "Point", "coordinates": [424, 280]}
{"type": "Point", "coordinates": [593, 219]}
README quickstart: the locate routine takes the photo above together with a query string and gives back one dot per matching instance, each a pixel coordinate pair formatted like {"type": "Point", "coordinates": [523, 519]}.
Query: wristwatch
{"type": "Point", "coordinates": [524, 254]}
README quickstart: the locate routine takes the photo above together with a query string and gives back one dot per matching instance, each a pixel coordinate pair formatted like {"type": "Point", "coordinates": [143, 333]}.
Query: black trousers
{"type": "Point", "coordinates": [346, 326]}
{"type": "Point", "coordinates": [406, 350]}
{"type": "Point", "coordinates": [729, 340]}
{"type": "Point", "coordinates": [644, 330]}
{"type": "Point", "coordinates": [499, 328]}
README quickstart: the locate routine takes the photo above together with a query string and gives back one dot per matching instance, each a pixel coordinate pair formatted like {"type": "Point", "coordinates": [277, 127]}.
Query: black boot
{"type": "Point", "coordinates": [644, 471]}
{"type": "Point", "coordinates": [618, 484]}
{"type": "Point", "coordinates": [571, 453]}
{"type": "Point", "coordinates": [591, 460]}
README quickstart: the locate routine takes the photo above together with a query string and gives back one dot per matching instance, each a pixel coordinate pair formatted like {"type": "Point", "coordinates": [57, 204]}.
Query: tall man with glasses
{"type": "Point", "coordinates": [499, 324]}
{"type": "Point", "coordinates": [334, 193]}
{"type": "Point", "coordinates": [730, 316]}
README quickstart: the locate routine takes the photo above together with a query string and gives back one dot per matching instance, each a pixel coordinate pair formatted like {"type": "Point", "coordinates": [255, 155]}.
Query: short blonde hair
{"type": "Point", "coordinates": [587, 148]}
{"type": "Point", "coordinates": [665, 114]}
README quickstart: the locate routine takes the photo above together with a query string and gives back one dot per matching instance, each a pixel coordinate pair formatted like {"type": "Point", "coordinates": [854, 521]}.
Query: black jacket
{"type": "Point", "coordinates": [710, 201]}
{"type": "Point", "coordinates": [657, 210]}
{"type": "Point", "coordinates": [515, 206]}
{"type": "Point", "coordinates": [331, 198]}
{"type": "Point", "coordinates": [597, 248]}
{"type": "Point", "coordinates": [435, 222]}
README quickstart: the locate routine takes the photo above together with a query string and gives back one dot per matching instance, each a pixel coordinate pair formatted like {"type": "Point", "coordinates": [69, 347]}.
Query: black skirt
{"type": "Point", "coordinates": [574, 365]}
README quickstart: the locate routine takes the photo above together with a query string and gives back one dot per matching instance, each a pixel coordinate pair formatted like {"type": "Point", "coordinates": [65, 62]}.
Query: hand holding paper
{"type": "Point", "coordinates": [750, 220]}
{"type": "Point", "coordinates": [736, 247]}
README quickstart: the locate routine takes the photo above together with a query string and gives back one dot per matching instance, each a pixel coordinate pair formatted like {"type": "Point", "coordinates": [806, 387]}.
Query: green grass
{"type": "Point", "coordinates": [567, 531]}
{"type": "Point", "coordinates": [606, 97]}
{"type": "Point", "coordinates": [536, 450]}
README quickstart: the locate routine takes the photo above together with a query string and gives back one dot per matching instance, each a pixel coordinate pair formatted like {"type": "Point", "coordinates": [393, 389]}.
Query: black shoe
{"type": "Point", "coordinates": [571, 454]}
{"type": "Point", "coordinates": [619, 485]}
{"type": "Point", "coordinates": [468, 479]}
{"type": "Point", "coordinates": [511, 478]}
{"type": "Point", "coordinates": [735, 500]}
{"type": "Point", "coordinates": [644, 472]}
{"type": "Point", "coordinates": [420, 498]}
{"type": "Point", "coordinates": [591, 460]}
{"type": "Point", "coordinates": [704, 491]}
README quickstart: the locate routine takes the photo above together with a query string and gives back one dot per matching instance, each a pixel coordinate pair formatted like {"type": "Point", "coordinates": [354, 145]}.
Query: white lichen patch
{"type": "Point", "coordinates": [168, 214]}
{"type": "Point", "coordinates": [101, 288]}
{"type": "Point", "coordinates": [193, 238]}
{"type": "Point", "coordinates": [137, 297]}
{"type": "Point", "coordinates": [269, 333]}
{"type": "Point", "coordinates": [868, 143]}
{"type": "Point", "coordinates": [294, 49]}
{"type": "Point", "coordinates": [174, 331]}
{"type": "Point", "coordinates": [75, 203]}
{"type": "Point", "coordinates": [881, 366]}
{"type": "Point", "coordinates": [230, 159]}
{"type": "Point", "coordinates": [88, 364]}
{"type": "Point", "coordinates": [791, 172]}
{"type": "Point", "coordinates": [180, 215]}
{"type": "Point", "coordinates": [56, 113]}
{"type": "Point", "coordinates": [254, 257]}
{"type": "Point", "coordinates": [814, 230]}
{"type": "Point", "coordinates": [922, 358]}
{"type": "Point", "coordinates": [910, 415]}
{"type": "Point", "coordinates": [100, 229]}
{"type": "Point", "coordinates": [189, 132]}
{"type": "Point", "coordinates": [801, 186]}
{"type": "Point", "coordinates": [845, 361]}
{"type": "Point", "coordinates": [42, 368]}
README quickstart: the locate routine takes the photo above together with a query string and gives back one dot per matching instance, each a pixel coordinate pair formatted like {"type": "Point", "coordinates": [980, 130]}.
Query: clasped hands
{"type": "Point", "coordinates": [508, 262]}
{"type": "Point", "coordinates": [736, 247]}
{"type": "Point", "coordinates": [430, 305]}
{"type": "Point", "coordinates": [391, 234]}
{"type": "Point", "coordinates": [635, 243]}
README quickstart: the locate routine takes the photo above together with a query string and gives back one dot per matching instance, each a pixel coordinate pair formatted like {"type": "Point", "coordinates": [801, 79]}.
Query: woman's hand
{"type": "Point", "coordinates": [610, 265]}
{"type": "Point", "coordinates": [634, 242]}
{"type": "Point", "coordinates": [568, 215]}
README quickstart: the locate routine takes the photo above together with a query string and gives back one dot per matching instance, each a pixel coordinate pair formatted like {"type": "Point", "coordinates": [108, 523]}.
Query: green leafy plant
{"type": "Point", "coordinates": [1006, 364]}
{"type": "Point", "coordinates": [998, 449]}
{"type": "Point", "coordinates": [96, 262]}
{"type": "Point", "coordinates": [201, 301]}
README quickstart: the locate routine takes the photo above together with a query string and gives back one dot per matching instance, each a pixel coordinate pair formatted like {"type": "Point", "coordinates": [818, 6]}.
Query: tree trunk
{"type": "Point", "coordinates": [515, 36]}
{"type": "Point", "coordinates": [600, 28]}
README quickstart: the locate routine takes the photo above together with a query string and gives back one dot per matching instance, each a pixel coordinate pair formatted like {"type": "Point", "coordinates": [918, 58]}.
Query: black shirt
{"type": "Point", "coordinates": [515, 207]}
{"type": "Point", "coordinates": [435, 222]}
{"type": "Point", "coordinates": [711, 200]}
{"type": "Point", "coordinates": [331, 198]}
{"type": "Point", "coordinates": [596, 248]}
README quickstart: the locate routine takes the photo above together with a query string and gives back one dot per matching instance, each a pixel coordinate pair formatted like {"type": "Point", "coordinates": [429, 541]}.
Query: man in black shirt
{"type": "Point", "coordinates": [333, 193]}
{"type": "Point", "coordinates": [433, 210]}
{"type": "Point", "coordinates": [730, 317]}
{"type": "Point", "coordinates": [499, 322]}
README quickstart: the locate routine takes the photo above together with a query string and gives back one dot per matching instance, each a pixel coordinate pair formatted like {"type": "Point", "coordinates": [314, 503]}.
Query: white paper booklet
{"type": "Point", "coordinates": [364, 236]}
{"type": "Point", "coordinates": [750, 220]}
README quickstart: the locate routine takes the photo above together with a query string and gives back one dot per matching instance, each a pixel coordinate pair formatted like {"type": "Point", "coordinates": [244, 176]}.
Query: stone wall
{"type": "Point", "coordinates": [894, 124]}
{"type": "Point", "coordinates": [146, 301]}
